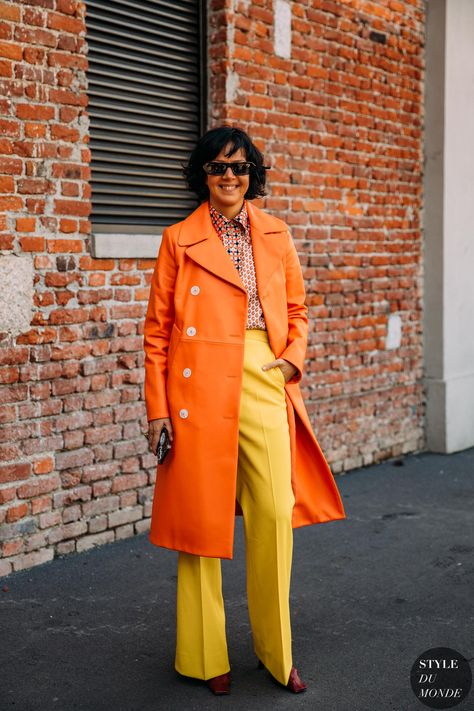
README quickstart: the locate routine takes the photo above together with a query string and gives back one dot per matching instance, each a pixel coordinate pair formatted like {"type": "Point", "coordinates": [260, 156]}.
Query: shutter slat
{"type": "Point", "coordinates": [145, 82]}
{"type": "Point", "coordinates": [162, 75]}
{"type": "Point", "coordinates": [146, 31]}
{"type": "Point", "coordinates": [140, 105]}
{"type": "Point", "coordinates": [145, 108]}
{"type": "Point", "coordinates": [161, 46]}
{"type": "Point", "coordinates": [148, 10]}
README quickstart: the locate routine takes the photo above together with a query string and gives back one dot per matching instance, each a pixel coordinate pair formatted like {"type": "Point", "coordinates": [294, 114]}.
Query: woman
{"type": "Point", "coordinates": [225, 340]}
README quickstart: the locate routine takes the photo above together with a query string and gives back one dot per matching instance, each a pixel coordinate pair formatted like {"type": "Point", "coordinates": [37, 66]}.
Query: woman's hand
{"type": "Point", "coordinates": [287, 368]}
{"type": "Point", "coordinates": [154, 429]}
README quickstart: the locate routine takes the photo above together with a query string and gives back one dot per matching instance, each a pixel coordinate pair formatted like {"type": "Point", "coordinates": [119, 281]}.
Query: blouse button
{"type": "Point", "coordinates": [183, 413]}
{"type": "Point", "coordinates": [187, 372]}
{"type": "Point", "coordinates": [191, 331]}
{"type": "Point", "coordinates": [195, 290]}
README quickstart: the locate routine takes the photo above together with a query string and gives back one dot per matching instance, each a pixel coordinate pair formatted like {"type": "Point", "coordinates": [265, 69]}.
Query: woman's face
{"type": "Point", "coordinates": [226, 192]}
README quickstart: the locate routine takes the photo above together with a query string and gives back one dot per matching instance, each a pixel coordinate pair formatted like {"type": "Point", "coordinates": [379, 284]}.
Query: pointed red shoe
{"type": "Point", "coordinates": [295, 684]}
{"type": "Point", "coordinates": [219, 684]}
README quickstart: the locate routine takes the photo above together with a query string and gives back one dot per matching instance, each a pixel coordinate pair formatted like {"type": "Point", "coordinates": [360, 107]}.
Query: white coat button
{"type": "Point", "coordinates": [183, 413]}
{"type": "Point", "coordinates": [187, 372]}
{"type": "Point", "coordinates": [191, 331]}
{"type": "Point", "coordinates": [195, 290]}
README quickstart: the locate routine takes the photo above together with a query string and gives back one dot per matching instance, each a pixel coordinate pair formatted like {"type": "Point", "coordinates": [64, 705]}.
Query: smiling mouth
{"type": "Point", "coordinates": [228, 188]}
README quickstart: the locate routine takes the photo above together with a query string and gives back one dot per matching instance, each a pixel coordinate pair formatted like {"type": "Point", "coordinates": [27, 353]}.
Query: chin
{"type": "Point", "coordinates": [228, 200]}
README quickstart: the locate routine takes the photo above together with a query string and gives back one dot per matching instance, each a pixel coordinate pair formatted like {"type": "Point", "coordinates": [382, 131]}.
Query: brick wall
{"type": "Point", "coordinates": [75, 470]}
{"type": "Point", "coordinates": [340, 123]}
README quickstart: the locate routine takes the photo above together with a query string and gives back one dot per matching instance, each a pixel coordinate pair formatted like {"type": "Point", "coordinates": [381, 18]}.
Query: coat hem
{"type": "Point", "coordinates": [323, 520]}
{"type": "Point", "coordinates": [184, 549]}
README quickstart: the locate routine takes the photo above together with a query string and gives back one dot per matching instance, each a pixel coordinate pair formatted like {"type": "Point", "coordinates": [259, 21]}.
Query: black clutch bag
{"type": "Point", "coordinates": [164, 445]}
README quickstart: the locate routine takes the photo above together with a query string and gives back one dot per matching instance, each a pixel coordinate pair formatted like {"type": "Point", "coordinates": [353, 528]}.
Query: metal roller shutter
{"type": "Point", "coordinates": [146, 107]}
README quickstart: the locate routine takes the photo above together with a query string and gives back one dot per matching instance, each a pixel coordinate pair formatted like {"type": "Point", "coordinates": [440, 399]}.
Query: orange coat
{"type": "Point", "coordinates": [194, 346]}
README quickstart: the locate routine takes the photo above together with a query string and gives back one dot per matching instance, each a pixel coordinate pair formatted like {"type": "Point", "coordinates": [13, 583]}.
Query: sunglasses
{"type": "Point", "coordinates": [215, 167]}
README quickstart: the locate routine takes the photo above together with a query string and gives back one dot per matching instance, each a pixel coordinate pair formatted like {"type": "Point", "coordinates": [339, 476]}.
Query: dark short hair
{"type": "Point", "coordinates": [210, 145]}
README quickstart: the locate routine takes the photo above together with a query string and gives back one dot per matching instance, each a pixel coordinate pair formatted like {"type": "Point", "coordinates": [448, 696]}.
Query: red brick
{"type": "Point", "coordinates": [7, 184]}
{"type": "Point", "coordinates": [67, 226]}
{"type": "Point", "coordinates": [9, 375]}
{"type": "Point", "coordinates": [64, 59]}
{"type": "Point", "coordinates": [7, 494]}
{"type": "Point", "coordinates": [68, 97]}
{"type": "Point", "coordinates": [29, 560]}
{"type": "Point", "coordinates": [13, 547]}
{"type": "Point", "coordinates": [33, 16]}
{"type": "Point", "coordinates": [32, 244]}
{"type": "Point", "coordinates": [72, 207]}
{"type": "Point", "coordinates": [11, 50]}
{"type": "Point", "coordinates": [35, 130]}
{"type": "Point", "coordinates": [14, 472]}
{"type": "Point", "coordinates": [98, 539]}
{"type": "Point", "coordinates": [9, 12]}
{"type": "Point", "coordinates": [97, 524]}
{"type": "Point", "coordinates": [57, 21]}
{"type": "Point", "coordinates": [7, 243]}
{"type": "Point", "coordinates": [69, 530]}
{"type": "Point", "coordinates": [64, 245]}
{"type": "Point", "coordinates": [34, 55]}
{"type": "Point", "coordinates": [35, 206]}
{"type": "Point", "coordinates": [12, 166]}
{"type": "Point", "coordinates": [35, 35]}
{"type": "Point", "coordinates": [40, 504]}
{"type": "Point", "coordinates": [14, 513]}
{"type": "Point", "coordinates": [65, 498]}
{"type": "Point", "coordinates": [88, 263]}
{"type": "Point", "coordinates": [35, 185]}
{"type": "Point", "coordinates": [123, 516]}
{"type": "Point", "coordinates": [70, 7]}
{"type": "Point", "coordinates": [25, 224]}
{"type": "Point", "coordinates": [64, 133]}
{"type": "Point", "coordinates": [35, 112]}
{"type": "Point", "coordinates": [38, 486]}
{"type": "Point", "coordinates": [129, 481]}
{"type": "Point", "coordinates": [43, 466]}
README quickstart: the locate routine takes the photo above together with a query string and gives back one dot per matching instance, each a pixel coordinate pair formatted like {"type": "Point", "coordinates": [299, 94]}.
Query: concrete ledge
{"type": "Point", "coordinates": [118, 244]}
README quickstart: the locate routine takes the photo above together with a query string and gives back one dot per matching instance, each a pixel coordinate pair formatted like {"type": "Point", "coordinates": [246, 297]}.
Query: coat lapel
{"type": "Point", "coordinates": [204, 246]}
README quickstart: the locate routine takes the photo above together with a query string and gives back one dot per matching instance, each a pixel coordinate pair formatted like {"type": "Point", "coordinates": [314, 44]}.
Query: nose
{"type": "Point", "coordinates": [227, 170]}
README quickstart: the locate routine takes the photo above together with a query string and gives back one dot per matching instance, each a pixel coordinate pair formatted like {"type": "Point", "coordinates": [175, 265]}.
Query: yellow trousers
{"type": "Point", "coordinates": [266, 496]}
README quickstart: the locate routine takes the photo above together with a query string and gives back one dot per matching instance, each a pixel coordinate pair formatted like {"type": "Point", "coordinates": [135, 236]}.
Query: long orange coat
{"type": "Point", "coordinates": [194, 347]}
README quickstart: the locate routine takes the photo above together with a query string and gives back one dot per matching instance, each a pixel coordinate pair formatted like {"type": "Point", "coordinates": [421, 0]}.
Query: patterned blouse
{"type": "Point", "coordinates": [236, 238]}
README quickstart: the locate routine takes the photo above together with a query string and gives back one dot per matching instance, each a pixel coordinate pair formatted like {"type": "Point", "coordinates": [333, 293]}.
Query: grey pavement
{"type": "Point", "coordinates": [96, 631]}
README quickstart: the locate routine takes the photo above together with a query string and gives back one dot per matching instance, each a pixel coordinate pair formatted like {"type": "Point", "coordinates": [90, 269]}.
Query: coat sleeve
{"type": "Point", "coordinates": [157, 330]}
{"type": "Point", "coordinates": [295, 350]}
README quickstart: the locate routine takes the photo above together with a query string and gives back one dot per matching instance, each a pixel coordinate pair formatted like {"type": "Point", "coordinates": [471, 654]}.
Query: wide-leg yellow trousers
{"type": "Point", "coordinates": [266, 496]}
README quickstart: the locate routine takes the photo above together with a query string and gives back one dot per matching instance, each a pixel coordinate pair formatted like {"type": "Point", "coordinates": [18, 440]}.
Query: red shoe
{"type": "Point", "coordinates": [295, 684]}
{"type": "Point", "coordinates": [219, 684]}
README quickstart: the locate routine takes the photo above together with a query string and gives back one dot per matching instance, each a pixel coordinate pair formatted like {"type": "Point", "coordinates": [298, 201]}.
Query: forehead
{"type": "Point", "coordinates": [238, 155]}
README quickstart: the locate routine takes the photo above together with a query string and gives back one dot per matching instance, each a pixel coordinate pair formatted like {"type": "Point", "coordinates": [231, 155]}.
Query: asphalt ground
{"type": "Point", "coordinates": [95, 631]}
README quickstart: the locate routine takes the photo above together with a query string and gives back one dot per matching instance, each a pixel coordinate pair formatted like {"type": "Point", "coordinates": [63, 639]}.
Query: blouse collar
{"type": "Point", "coordinates": [222, 223]}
